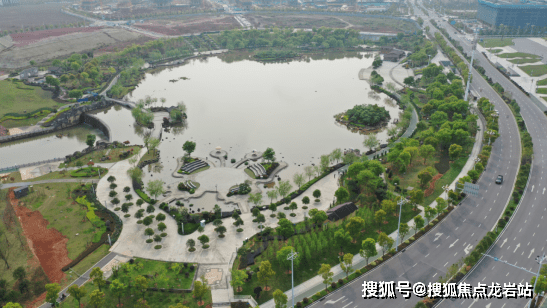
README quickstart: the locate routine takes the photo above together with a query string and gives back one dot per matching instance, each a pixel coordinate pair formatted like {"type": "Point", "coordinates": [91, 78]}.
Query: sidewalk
{"type": "Point", "coordinates": [314, 285]}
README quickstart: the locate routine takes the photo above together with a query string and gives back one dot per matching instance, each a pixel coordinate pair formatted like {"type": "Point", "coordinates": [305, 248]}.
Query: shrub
{"type": "Point", "coordinates": [112, 186]}
{"type": "Point", "coordinates": [140, 202]}
{"type": "Point", "coordinates": [232, 160]}
{"type": "Point", "coordinates": [192, 190]}
{"type": "Point", "coordinates": [140, 221]}
{"type": "Point", "coordinates": [112, 193]}
{"type": "Point", "coordinates": [358, 272]}
{"type": "Point", "coordinates": [317, 200]}
{"type": "Point", "coordinates": [239, 230]}
{"type": "Point", "coordinates": [299, 304]}
{"type": "Point", "coordinates": [334, 285]}
{"type": "Point", "coordinates": [306, 300]}
{"type": "Point", "coordinates": [157, 246]}
{"type": "Point", "coordinates": [305, 207]}
{"type": "Point", "coordinates": [341, 282]}
{"type": "Point", "coordinates": [157, 238]}
{"type": "Point", "coordinates": [206, 246]}
{"type": "Point", "coordinates": [149, 241]}
{"type": "Point", "coordinates": [292, 214]}
{"type": "Point", "coordinates": [163, 234]}
{"type": "Point", "coordinates": [117, 209]}
{"type": "Point", "coordinates": [127, 215]}
{"type": "Point", "coordinates": [373, 263]}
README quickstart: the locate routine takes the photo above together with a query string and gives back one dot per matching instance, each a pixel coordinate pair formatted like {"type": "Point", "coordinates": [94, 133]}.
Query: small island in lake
{"type": "Point", "coordinates": [364, 117]}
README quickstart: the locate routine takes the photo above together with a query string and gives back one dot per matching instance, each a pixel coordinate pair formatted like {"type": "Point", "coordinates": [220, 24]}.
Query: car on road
{"type": "Point", "coordinates": [499, 179]}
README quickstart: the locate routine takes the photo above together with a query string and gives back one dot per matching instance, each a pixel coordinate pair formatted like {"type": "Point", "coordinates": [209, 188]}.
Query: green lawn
{"type": "Point", "coordinates": [174, 279]}
{"type": "Point", "coordinates": [495, 50]}
{"type": "Point", "coordinates": [523, 61]}
{"type": "Point", "coordinates": [496, 42]}
{"type": "Point", "coordinates": [250, 173]}
{"type": "Point", "coordinates": [148, 156]}
{"type": "Point", "coordinates": [518, 55]}
{"type": "Point", "coordinates": [52, 200]}
{"type": "Point", "coordinates": [541, 90]}
{"type": "Point", "coordinates": [541, 82]}
{"type": "Point", "coordinates": [17, 98]}
{"type": "Point", "coordinates": [129, 299]}
{"type": "Point", "coordinates": [410, 178]}
{"type": "Point", "coordinates": [545, 98]}
{"type": "Point", "coordinates": [534, 70]}
{"type": "Point", "coordinates": [11, 123]}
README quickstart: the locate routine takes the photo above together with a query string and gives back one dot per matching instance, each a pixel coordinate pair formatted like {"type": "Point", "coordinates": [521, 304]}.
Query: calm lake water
{"type": "Point", "coordinates": [241, 105]}
{"type": "Point", "coordinates": [46, 146]}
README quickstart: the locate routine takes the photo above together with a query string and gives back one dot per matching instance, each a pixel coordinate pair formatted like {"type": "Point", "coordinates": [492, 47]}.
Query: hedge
{"type": "Point", "coordinates": [145, 197]}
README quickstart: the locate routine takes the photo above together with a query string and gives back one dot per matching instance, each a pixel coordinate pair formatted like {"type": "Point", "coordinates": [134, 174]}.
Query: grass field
{"type": "Point", "coordinates": [24, 122]}
{"type": "Point", "coordinates": [249, 172]}
{"type": "Point", "coordinates": [175, 279]}
{"type": "Point", "coordinates": [496, 42]}
{"type": "Point", "coordinates": [90, 261]}
{"type": "Point", "coordinates": [495, 50]}
{"type": "Point", "coordinates": [17, 97]}
{"type": "Point", "coordinates": [95, 156]}
{"type": "Point", "coordinates": [446, 179]}
{"type": "Point", "coordinates": [534, 70]}
{"type": "Point", "coordinates": [541, 82]}
{"type": "Point", "coordinates": [523, 61]}
{"type": "Point", "coordinates": [52, 176]}
{"type": "Point", "coordinates": [53, 202]}
{"type": "Point", "coordinates": [541, 90]}
{"type": "Point", "coordinates": [519, 55]}
{"type": "Point", "coordinates": [410, 178]}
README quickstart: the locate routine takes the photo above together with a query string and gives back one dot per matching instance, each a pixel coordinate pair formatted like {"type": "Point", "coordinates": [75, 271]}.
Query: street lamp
{"type": "Point", "coordinates": [490, 133]}
{"type": "Point", "coordinates": [539, 260]}
{"type": "Point", "coordinates": [400, 203]}
{"type": "Point", "coordinates": [292, 256]}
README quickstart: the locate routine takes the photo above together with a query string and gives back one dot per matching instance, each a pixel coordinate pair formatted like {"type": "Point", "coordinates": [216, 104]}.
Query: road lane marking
{"type": "Point", "coordinates": [434, 275]}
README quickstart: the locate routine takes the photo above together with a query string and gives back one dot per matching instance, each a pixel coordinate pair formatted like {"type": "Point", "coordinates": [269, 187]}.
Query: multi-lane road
{"type": "Point", "coordinates": [429, 258]}
{"type": "Point", "coordinates": [525, 237]}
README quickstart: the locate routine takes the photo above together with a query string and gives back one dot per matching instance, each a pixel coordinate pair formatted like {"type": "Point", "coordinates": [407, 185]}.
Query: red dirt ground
{"type": "Point", "coordinates": [49, 245]}
{"type": "Point", "coordinates": [23, 39]}
{"type": "Point", "coordinates": [430, 189]}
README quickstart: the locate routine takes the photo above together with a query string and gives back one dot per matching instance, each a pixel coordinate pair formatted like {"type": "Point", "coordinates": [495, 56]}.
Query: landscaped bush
{"type": "Point", "coordinates": [232, 160]}
{"type": "Point", "coordinates": [192, 190]}
{"type": "Point", "coordinates": [206, 246]}
{"type": "Point", "coordinates": [306, 300]}
{"type": "Point", "coordinates": [117, 209]}
{"type": "Point", "coordinates": [239, 230]}
{"type": "Point", "coordinates": [163, 234]}
{"type": "Point", "coordinates": [113, 186]}
{"type": "Point", "coordinates": [127, 215]}
{"type": "Point", "coordinates": [140, 202]}
{"type": "Point", "coordinates": [140, 221]}
{"type": "Point", "coordinates": [149, 241]}
{"type": "Point", "coordinates": [157, 246]}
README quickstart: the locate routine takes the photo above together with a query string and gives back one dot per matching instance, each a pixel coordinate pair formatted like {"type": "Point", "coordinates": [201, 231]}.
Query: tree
{"type": "Point", "coordinates": [149, 232]}
{"type": "Point", "coordinates": [454, 151]}
{"type": "Point", "coordinates": [419, 223]}
{"type": "Point", "coordinates": [440, 205]}
{"type": "Point", "coordinates": [75, 94]}
{"type": "Point", "coordinates": [200, 290]}
{"type": "Point", "coordinates": [285, 228]}
{"type": "Point", "coordinates": [90, 140]}
{"type": "Point", "coordinates": [12, 305]}
{"type": "Point", "coordinates": [318, 217]}
{"type": "Point", "coordinates": [256, 199]}
{"type": "Point", "coordinates": [342, 194]}
{"type": "Point", "coordinates": [162, 226]}
{"type": "Point", "coordinates": [417, 197]}
{"type": "Point", "coordinates": [327, 274]}
{"type": "Point", "coordinates": [404, 230]}
{"type": "Point", "coordinates": [409, 81]}
{"type": "Point", "coordinates": [354, 226]}
{"type": "Point", "coordinates": [293, 206]}
{"type": "Point", "coordinates": [298, 178]}
{"type": "Point", "coordinates": [189, 147]}
{"type": "Point", "coordinates": [32, 62]}
{"type": "Point", "coordinates": [238, 279]}
{"type": "Point", "coordinates": [389, 206]}
{"type": "Point", "coordinates": [179, 305]}
{"type": "Point", "coordinates": [265, 273]}
{"type": "Point", "coordinates": [385, 242]}
{"type": "Point", "coordinates": [473, 174]}
{"type": "Point", "coordinates": [135, 173]}
{"type": "Point", "coordinates": [272, 207]}
{"type": "Point", "coordinates": [52, 291]}
{"type": "Point", "coordinates": [282, 255]}
{"type": "Point", "coordinates": [111, 179]}
{"type": "Point", "coordinates": [272, 194]}
{"type": "Point", "coordinates": [204, 239]}
{"type": "Point", "coordinates": [97, 298]}
{"type": "Point", "coordinates": [280, 299]}
{"type": "Point", "coordinates": [118, 289]}
{"type": "Point", "coordinates": [221, 230]}
{"type": "Point", "coordinates": [369, 249]}
{"type": "Point", "coordinates": [426, 151]}
{"type": "Point", "coordinates": [429, 213]}
{"type": "Point", "coordinates": [541, 284]}
{"type": "Point", "coordinates": [306, 200]}
{"type": "Point", "coordinates": [370, 141]}
{"type": "Point", "coordinates": [147, 221]}
{"type": "Point", "coordinates": [346, 263]}
{"type": "Point", "coordinates": [97, 276]}
{"type": "Point", "coordinates": [160, 217]}
{"type": "Point", "coordinates": [317, 193]}
{"type": "Point", "coordinates": [342, 238]}
{"type": "Point", "coordinates": [141, 285]}
{"type": "Point", "coordinates": [283, 188]}
{"type": "Point", "coordinates": [269, 155]}
{"type": "Point", "coordinates": [52, 81]}
{"type": "Point", "coordinates": [155, 188]}
{"type": "Point", "coordinates": [324, 162]}
{"type": "Point", "coordinates": [380, 216]}
{"type": "Point", "coordinates": [336, 155]}
{"type": "Point", "coordinates": [190, 243]}
{"type": "Point", "coordinates": [424, 177]}
{"type": "Point", "coordinates": [153, 143]}
{"type": "Point", "coordinates": [19, 273]}
{"type": "Point", "coordinates": [309, 171]}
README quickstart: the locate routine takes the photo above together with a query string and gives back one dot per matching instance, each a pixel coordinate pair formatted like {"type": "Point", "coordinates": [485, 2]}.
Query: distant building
{"type": "Point", "coordinates": [394, 56]}
{"type": "Point", "coordinates": [341, 211]}
{"type": "Point", "coordinates": [512, 14]}
{"type": "Point", "coordinates": [55, 70]}
{"type": "Point", "coordinates": [28, 73]}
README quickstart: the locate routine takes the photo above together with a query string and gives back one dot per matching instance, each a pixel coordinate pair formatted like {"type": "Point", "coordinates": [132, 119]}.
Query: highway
{"type": "Point", "coordinates": [525, 237]}
{"type": "Point", "coordinates": [430, 257]}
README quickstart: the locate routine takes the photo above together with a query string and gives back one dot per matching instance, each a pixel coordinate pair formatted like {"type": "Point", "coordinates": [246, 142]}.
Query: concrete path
{"type": "Point", "coordinates": [19, 184]}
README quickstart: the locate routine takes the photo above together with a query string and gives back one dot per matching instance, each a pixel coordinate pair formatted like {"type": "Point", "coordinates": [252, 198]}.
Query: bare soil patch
{"type": "Point", "coordinates": [49, 245]}
{"type": "Point", "coordinates": [15, 17]}
{"type": "Point", "coordinates": [23, 39]}
{"type": "Point", "coordinates": [296, 21]}
{"type": "Point", "coordinates": [195, 25]}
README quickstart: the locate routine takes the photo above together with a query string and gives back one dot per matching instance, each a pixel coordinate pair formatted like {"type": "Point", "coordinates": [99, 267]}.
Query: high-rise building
{"type": "Point", "coordinates": [521, 14]}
